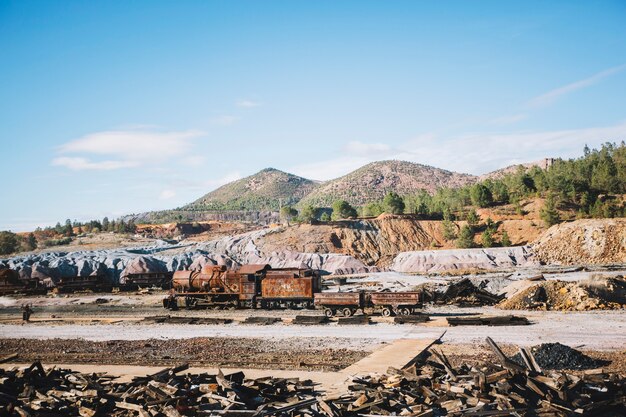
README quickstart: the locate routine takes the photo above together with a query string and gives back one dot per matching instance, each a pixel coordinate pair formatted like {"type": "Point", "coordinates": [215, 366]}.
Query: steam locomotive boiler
{"type": "Point", "coordinates": [252, 286]}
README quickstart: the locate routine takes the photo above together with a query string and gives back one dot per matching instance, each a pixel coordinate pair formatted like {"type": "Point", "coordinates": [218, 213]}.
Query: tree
{"type": "Point", "coordinates": [472, 219]}
{"type": "Point", "coordinates": [466, 238]}
{"type": "Point", "coordinates": [449, 231]}
{"type": "Point", "coordinates": [325, 217]}
{"type": "Point", "coordinates": [69, 229]}
{"type": "Point", "coordinates": [288, 213]}
{"type": "Point", "coordinates": [31, 242]}
{"type": "Point", "coordinates": [481, 195]}
{"type": "Point", "coordinates": [393, 203]}
{"type": "Point", "coordinates": [373, 210]}
{"type": "Point", "coordinates": [549, 213]}
{"type": "Point", "coordinates": [343, 210]}
{"type": "Point", "coordinates": [8, 242]}
{"type": "Point", "coordinates": [505, 239]}
{"type": "Point", "coordinates": [106, 225]}
{"type": "Point", "coordinates": [487, 238]}
{"type": "Point", "coordinates": [308, 214]}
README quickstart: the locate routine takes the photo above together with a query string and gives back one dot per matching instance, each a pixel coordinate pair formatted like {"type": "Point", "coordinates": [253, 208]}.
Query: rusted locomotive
{"type": "Point", "coordinates": [387, 303]}
{"type": "Point", "coordinates": [252, 286]}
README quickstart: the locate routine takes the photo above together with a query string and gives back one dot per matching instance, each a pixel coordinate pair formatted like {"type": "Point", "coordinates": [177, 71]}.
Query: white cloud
{"type": "Point", "coordinates": [224, 120]}
{"type": "Point", "coordinates": [510, 119]}
{"type": "Point", "coordinates": [194, 160]}
{"type": "Point", "coordinates": [245, 103]}
{"type": "Point", "coordinates": [167, 194]}
{"type": "Point", "coordinates": [553, 95]}
{"type": "Point", "coordinates": [475, 153]}
{"type": "Point", "coordinates": [82, 164]}
{"type": "Point", "coordinates": [366, 149]}
{"type": "Point", "coordinates": [130, 148]}
{"type": "Point", "coordinates": [218, 182]}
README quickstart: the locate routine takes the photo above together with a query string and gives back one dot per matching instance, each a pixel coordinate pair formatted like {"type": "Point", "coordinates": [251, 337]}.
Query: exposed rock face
{"type": "Point", "coordinates": [374, 242]}
{"type": "Point", "coordinates": [588, 241]}
{"type": "Point", "coordinates": [462, 259]}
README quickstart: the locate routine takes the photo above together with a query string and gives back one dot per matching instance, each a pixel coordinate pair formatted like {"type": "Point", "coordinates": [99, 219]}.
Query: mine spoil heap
{"type": "Point", "coordinates": [428, 386]}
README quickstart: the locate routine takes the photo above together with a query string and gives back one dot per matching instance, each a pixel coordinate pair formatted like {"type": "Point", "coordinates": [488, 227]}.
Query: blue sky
{"type": "Point", "coordinates": [109, 108]}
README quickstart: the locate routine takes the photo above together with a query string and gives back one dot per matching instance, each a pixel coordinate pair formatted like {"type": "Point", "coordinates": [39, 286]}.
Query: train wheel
{"type": "Point", "coordinates": [347, 312]}
{"type": "Point", "coordinates": [328, 312]}
{"type": "Point", "coordinates": [405, 311]}
{"type": "Point", "coordinates": [190, 302]}
{"type": "Point", "coordinates": [387, 312]}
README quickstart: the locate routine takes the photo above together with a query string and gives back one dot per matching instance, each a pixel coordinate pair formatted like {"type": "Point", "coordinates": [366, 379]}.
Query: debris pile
{"type": "Point", "coordinates": [37, 392]}
{"type": "Point", "coordinates": [556, 356]}
{"type": "Point", "coordinates": [428, 386]}
{"type": "Point", "coordinates": [465, 293]}
{"type": "Point", "coordinates": [433, 387]}
{"type": "Point", "coordinates": [598, 293]}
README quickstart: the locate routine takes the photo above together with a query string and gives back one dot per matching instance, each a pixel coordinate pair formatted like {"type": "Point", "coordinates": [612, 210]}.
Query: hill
{"type": "Point", "coordinates": [372, 181]}
{"type": "Point", "coordinates": [265, 190]}
{"type": "Point", "coordinates": [511, 169]}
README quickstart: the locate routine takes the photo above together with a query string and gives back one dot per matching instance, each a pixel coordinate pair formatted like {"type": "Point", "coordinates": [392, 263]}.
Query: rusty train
{"type": "Point", "coordinates": [261, 286]}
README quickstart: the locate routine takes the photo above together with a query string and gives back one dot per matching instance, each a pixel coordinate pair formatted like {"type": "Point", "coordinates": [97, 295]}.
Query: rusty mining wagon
{"type": "Point", "coordinates": [387, 303]}
{"type": "Point", "coordinates": [252, 286]}
{"type": "Point", "coordinates": [10, 283]}
{"type": "Point", "coordinates": [146, 280]}
{"type": "Point", "coordinates": [79, 283]}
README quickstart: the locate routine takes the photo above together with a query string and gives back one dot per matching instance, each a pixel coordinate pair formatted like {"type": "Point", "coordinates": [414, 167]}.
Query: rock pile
{"type": "Point", "coordinates": [556, 356]}
{"type": "Point", "coordinates": [583, 242]}
{"type": "Point", "coordinates": [595, 294]}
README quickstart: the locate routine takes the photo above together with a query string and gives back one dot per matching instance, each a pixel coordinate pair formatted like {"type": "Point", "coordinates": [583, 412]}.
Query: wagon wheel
{"type": "Point", "coordinates": [328, 312]}
{"type": "Point", "coordinates": [387, 312]}
{"type": "Point", "coordinates": [405, 311]}
{"type": "Point", "coordinates": [347, 312]}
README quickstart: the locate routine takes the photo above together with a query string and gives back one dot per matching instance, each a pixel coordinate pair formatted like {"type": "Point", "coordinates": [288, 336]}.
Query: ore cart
{"type": "Point", "coordinates": [391, 303]}
{"type": "Point", "coordinates": [288, 291]}
{"type": "Point", "coordinates": [346, 303]}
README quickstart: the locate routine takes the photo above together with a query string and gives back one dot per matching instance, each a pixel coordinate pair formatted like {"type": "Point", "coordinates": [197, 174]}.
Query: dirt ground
{"type": "Point", "coordinates": [308, 354]}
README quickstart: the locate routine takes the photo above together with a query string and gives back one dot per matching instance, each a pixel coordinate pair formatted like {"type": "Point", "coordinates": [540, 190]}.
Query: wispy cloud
{"type": "Point", "coordinates": [224, 120]}
{"type": "Point", "coordinates": [167, 194]}
{"type": "Point", "coordinates": [82, 164]}
{"type": "Point", "coordinates": [246, 103]}
{"type": "Point", "coordinates": [124, 149]}
{"type": "Point", "coordinates": [508, 120]}
{"type": "Point", "coordinates": [358, 148]}
{"type": "Point", "coordinates": [553, 95]}
{"type": "Point", "coordinates": [475, 153]}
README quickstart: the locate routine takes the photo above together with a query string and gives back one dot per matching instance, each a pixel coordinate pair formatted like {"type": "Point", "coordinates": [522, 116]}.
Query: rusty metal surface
{"type": "Point", "coordinates": [74, 283]}
{"type": "Point", "coordinates": [395, 298]}
{"type": "Point", "coordinates": [288, 287]}
{"type": "Point", "coordinates": [339, 299]}
{"type": "Point", "coordinates": [253, 268]}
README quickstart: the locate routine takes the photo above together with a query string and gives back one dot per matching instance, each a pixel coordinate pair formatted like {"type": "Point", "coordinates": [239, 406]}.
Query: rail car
{"type": "Point", "coordinates": [10, 283]}
{"type": "Point", "coordinates": [251, 286]}
{"type": "Point", "coordinates": [96, 283]}
{"type": "Point", "coordinates": [147, 279]}
{"type": "Point", "coordinates": [387, 303]}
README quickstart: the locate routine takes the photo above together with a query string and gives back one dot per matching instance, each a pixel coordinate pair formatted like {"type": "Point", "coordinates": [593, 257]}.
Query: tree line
{"type": "Point", "coordinates": [60, 234]}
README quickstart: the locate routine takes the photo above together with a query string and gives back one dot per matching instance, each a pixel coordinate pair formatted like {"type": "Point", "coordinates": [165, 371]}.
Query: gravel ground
{"type": "Point", "coordinates": [598, 330]}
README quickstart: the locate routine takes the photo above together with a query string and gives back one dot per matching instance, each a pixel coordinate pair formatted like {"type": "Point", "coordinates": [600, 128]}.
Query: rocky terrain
{"type": "Point", "coordinates": [591, 241]}
{"type": "Point", "coordinates": [392, 243]}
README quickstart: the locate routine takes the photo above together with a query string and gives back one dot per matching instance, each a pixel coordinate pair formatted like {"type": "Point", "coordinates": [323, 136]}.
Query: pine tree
{"type": "Point", "coordinates": [549, 214]}
{"type": "Point", "coordinates": [487, 238]}
{"type": "Point", "coordinates": [505, 239]}
{"type": "Point", "coordinates": [466, 238]}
